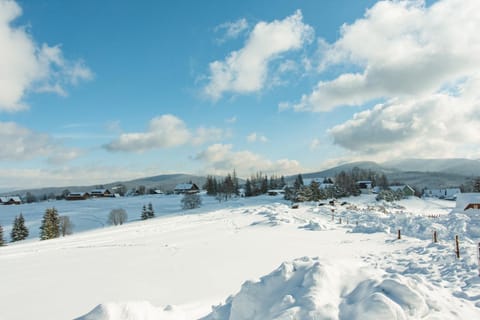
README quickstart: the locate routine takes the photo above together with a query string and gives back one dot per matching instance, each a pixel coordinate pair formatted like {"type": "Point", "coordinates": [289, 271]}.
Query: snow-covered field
{"type": "Point", "coordinates": [253, 258]}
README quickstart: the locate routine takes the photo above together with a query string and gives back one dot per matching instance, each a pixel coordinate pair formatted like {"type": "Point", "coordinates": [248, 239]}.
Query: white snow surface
{"type": "Point", "coordinates": [216, 262]}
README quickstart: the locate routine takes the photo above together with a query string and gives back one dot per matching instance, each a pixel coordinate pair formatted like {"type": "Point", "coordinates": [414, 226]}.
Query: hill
{"type": "Point", "coordinates": [165, 182]}
{"type": "Point", "coordinates": [420, 173]}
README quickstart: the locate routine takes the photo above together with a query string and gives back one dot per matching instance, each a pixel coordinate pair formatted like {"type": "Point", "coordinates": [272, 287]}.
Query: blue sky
{"type": "Point", "coordinates": [93, 92]}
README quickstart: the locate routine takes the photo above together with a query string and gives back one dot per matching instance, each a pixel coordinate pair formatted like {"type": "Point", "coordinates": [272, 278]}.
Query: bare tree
{"type": "Point", "coordinates": [66, 226]}
{"type": "Point", "coordinates": [117, 216]}
{"type": "Point", "coordinates": [191, 201]}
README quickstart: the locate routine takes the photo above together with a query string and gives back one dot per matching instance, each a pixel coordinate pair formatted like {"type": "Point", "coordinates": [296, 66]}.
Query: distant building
{"type": "Point", "coordinates": [77, 196]}
{"type": "Point", "coordinates": [323, 183]}
{"type": "Point", "coordinates": [9, 200]}
{"type": "Point", "coordinates": [101, 193]}
{"type": "Point", "coordinates": [275, 192]}
{"type": "Point", "coordinates": [365, 186]}
{"type": "Point", "coordinates": [468, 202]}
{"type": "Point", "coordinates": [406, 189]}
{"type": "Point", "coordinates": [183, 188]}
{"type": "Point", "coordinates": [447, 193]}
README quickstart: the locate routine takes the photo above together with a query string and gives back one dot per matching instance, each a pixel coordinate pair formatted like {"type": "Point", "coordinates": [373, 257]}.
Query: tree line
{"type": "Point", "coordinates": [344, 184]}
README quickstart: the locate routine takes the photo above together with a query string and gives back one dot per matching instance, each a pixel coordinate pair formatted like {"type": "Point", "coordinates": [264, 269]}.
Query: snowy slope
{"type": "Point", "coordinates": [222, 255]}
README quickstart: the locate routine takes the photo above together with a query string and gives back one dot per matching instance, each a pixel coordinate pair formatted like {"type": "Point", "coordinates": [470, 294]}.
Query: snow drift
{"type": "Point", "coordinates": [309, 289]}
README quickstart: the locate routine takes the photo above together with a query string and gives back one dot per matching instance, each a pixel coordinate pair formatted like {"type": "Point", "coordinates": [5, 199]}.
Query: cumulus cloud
{"type": "Point", "coordinates": [245, 70]}
{"type": "Point", "coordinates": [402, 49]}
{"type": "Point", "coordinates": [231, 30]}
{"type": "Point", "coordinates": [220, 158]}
{"type": "Point", "coordinates": [254, 137]}
{"type": "Point", "coordinates": [163, 132]}
{"type": "Point", "coordinates": [21, 143]}
{"type": "Point", "coordinates": [28, 67]}
{"type": "Point", "coordinates": [439, 125]}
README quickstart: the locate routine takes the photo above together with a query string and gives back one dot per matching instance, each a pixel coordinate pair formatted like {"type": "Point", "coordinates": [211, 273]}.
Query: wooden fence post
{"type": "Point", "coordinates": [479, 258]}
{"type": "Point", "coordinates": [457, 247]}
{"type": "Point", "coordinates": [435, 240]}
{"type": "Point", "coordinates": [399, 236]}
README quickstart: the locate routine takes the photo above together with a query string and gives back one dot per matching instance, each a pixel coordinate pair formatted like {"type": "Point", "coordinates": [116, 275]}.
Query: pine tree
{"type": "Point", "coordinates": [248, 188]}
{"type": "Point", "coordinates": [2, 241]}
{"type": "Point", "coordinates": [476, 185]}
{"type": "Point", "coordinates": [144, 215]}
{"type": "Point", "coordinates": [298, 182]}
{"type": "Point", "coordinates": [235, 183]}
{"type": "Point", "coordinates": [150, 211]}
{"type": "Point", "coordinates": [19, 230]}
{"type": "Point", "coordinates": [50, 227]}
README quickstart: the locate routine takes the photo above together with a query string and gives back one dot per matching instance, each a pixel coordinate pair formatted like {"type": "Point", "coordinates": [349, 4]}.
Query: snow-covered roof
{"type": "Point", "coordinates": [100, 191]}
{"type": "Point", "coordinates": [447, 192]}
{"type": "Point", "coordinates": [464, 199]}
{"type": "Point", "coordinates": [7, 199]}
{"type": "Point", "coordinates": [184, 186]}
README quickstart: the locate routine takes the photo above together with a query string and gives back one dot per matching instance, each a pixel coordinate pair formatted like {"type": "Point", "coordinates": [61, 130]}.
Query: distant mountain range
{"type": "Point", "coordinates": [420, 173]}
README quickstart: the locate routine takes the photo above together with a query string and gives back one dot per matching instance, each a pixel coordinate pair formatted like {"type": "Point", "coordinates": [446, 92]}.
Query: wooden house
{"type": "Point", "coordinates": [10, 200]}
{"type": "Point", "coordinates": [406, 189]}
{"type": "Point", "coordinates": [189, 188]}
{"type": "Point", "coordinates": [468, 202]}
{"type": "Point", "coordinates": [101, 193]}
{"type": "Point", "coordinates": [78, 196]}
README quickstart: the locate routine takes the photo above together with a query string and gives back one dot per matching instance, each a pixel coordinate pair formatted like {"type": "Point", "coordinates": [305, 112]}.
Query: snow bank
{"type": "Point", "coordinates": [133, 311]}
{"type": "Point", "coordinates": [308, 289]}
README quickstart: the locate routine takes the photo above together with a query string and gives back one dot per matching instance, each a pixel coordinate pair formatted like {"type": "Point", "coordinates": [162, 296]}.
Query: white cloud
{"type": "Point", "coordinates": [315, 144]}
{"type": "Point", "coordinates": [403, 49]}
{"type": "Point", "coordinates": [439, 125]}
{"type": "Point", "coordinates": [163, 132]}
{"type": "Point", "coordinates": [254, 137]}
{"type": "Point", "coordinates": [231, 29]}
{"type": "Point", "coordinates": [27, 67]}
{"type": "Point", "coordinates": [20, 143]}
{"type": "Point", "coordinates": [221, 159]}
{"type": "Point", "coordinates": [246, 70]}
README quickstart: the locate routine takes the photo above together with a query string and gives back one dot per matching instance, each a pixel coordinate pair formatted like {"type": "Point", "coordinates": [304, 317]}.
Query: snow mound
{"type": "Point", "coordinates": [314, 226]}
{"type": "Point", "coordinates": [307, 289]}
{"type": "Point", "coordinates": [133, 311]}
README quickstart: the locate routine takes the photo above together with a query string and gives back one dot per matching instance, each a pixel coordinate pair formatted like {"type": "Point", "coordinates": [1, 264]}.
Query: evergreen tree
{"type": "Point", "coordinates": [315, 191]}
{"type": "Point", "coordinates": [298, 182]}
{"type": "Point", "coordinates": [248, 188]}
{"type": "Point", "coordinates": [50, 227]}
{"type": "Point", "coordinates": [211, 186]}
{"type": "Point", "coordinates": [150, 211]}
{"type": "Point", "coordinates": [282, 182]}
{"type": "Point", "coordinates": [264, 186]}
{"type": "Point", "coordinates": [144, 215]}
{"type": "Point", "coordinates": [19, 230]}
{"type": "Point", "coordinates": [2, 241]}
{"type": "Point", "coordinates": [235, 183]}
{"type": "Point", "coordinates": [476, 185]}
